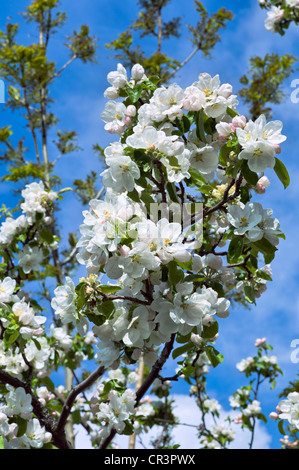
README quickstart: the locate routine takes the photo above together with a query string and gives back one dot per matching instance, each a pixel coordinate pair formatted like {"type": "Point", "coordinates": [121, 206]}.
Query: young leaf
{"type": "Point", "coordinates": [282, 172]}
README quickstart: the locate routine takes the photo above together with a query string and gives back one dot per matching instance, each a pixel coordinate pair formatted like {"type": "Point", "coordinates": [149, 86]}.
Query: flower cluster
{"type": "Point", "coordinates": [176, 238]}
{"type": "Point", "coordinates": [18, 404]}
{"type": "Point", "coordinates": [37, 201]}
{"type": "Point", "coordinates": [146, 235]}
{"type": "Point", "coordinates": [279, 13]}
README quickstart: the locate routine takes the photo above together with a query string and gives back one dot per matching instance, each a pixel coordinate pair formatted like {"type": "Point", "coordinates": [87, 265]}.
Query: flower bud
{"type": "Point", "coordinates": [225, 90]}
{"type": "Point", "coordinates": [111, 93]}
{"type": "Point", "coordinates": [259, 342]}
{"type": "Point", "coordinates": [124, 250]}
{"type": "Point", "coordinates": [131, 110]}
{"type": "Point", "coordinates": [262, 184]}
{"type": "Point", "coordinates": [137, 72]}
{"type": "Point", "coordinates": [239, 121]}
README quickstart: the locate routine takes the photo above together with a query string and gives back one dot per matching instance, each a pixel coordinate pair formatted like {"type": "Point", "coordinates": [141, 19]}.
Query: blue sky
{"type": "Point", "coordinates": [79, 103]}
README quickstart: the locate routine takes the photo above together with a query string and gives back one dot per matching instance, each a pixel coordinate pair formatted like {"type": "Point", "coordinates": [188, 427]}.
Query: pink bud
{"type": "Point", "coordinates": [273, 415]}
{"type": "Point", "coordinates": [124, 250]}
{"type": "Point", "coordinates": [131, 111]}
{"type": "Point", "coordinates": [260, 189]}
{"type": "Point", "coordinates": [262, 184]}
{"type": "Point", "coordinates": [128, 121]}
{"type": "Point", "coordinates": [239, 121]}
{"type": "Point", "coordinates": [259, 342]}
{"type": "Point", "coordinates": [38, 332]}
{"type": "Point", "coordinates": [277, 148]}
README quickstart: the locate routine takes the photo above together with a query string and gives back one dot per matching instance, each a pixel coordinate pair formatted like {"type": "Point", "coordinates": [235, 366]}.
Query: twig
{"type": "Point", "coordinates": [73, 395]}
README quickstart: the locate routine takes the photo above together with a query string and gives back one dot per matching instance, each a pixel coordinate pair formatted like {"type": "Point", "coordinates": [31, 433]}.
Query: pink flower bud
{"type": "Point", "coordinates": [124, 250]}
{"type": "Point", "coordinates": [273, 415]}
{"type": "Point", "coordinates": [260, 189]}
{"type": "Point", "coordinates": [262, 184]}
{"type": "Point", "coordinates": [259, 342]}
{"type": "Point", "coordinates": [38, 332]}
{"type": "Point", "coordinates": [277, 148]}
{"type": "Point", "coordinates": [131, 111]}
{"type": "Point", "coordinates": [128, 121]}
{"type": "Point", "coordinates": [239, 121]}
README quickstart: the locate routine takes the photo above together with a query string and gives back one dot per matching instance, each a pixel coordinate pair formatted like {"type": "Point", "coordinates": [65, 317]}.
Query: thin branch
{"type": "Point", "coordinates": [69, 257]}
{"type": "Point", "coordinates": [159, 29]}
{"type": "Point", "coordinates": [74, 393]}
{"type": "Point", "coordinates": [32, 129]}
{"type": "Point", "coordinates": [122, 297]}
{"type": "Point", "coordinates": [226, 198]}
{"type": "Point", "coordinates": [182, 64]}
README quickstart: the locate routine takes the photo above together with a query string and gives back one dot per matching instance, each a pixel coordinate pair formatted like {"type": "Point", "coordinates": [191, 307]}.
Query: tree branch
{"type": "Point", "coordinates": [73, 395]}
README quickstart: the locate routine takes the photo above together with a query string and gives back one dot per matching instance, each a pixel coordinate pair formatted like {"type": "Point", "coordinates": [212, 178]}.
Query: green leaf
{"type": "Point", "coordinates": [249, 294]}
{"type": "Point", "coordinates": [266, 248]}
{"type": "Point", "coordinates": [183, 339]}
{"type": "Point", "coordinates": [235, 249]}
{"type": "Point", "coordinates": [196, 178]}
{"type": "Point", "coordinates": [231, 112]}
{"type": "Point", "coordinates": [128, 430]}
{"type": "Point", "coordinates": [48, 383]}
{"type": "Point", "coordinates": [251, 177]}
{"type": "Point", "coordinates": [1, 443]}
{"type": "Point", "coordinates": [142, 182]}
{"type": "Point", "coordinates": [282, 172]}
{"type": "Point", "coordinates": [76, 417]}
{"type": "Point", "coordinates": [134, 195]}
{"type": "Point", "coordinates": [37, 344]}
{"type": "Point", "coordinates": [223, 154]}
{"type": "Point", "coordinates": [172, 192]}
{"type": "Point", "coordinates": [13, 337]}
{"type": "Point", "coordinates": [181, 350]}
{"type": "Point", "coordinates": [200, 128]}
{"type": "Point", "coordinates": [147, 198]}
{"type": "Point", "coordinates": [22, 425]}
{"type": "Point", "coordinates": [109, 289]}
{"type": "Point", "coordinates": [214, 356]}
{"type": "Point", "coordinates": [134, 94]}
{"type": "Point", "coordinates": [47, 236]}
{"type": "Point", "coordinates": [280, 428]}
{"type": "Point", "coordinates": [263, 275]}
{"type": "Point", "coordinates": [106, 308]}
{"type": "Point", "coordinates": [194, 278]}
{"type": "Point", "coordinates": [98, 320]}
{"type": "Point", "coordinates": [175, 273]}
{"type": "Point", "coordinates": [210, 331]}
{"type": "Point", "coordinates": [186, 123]}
